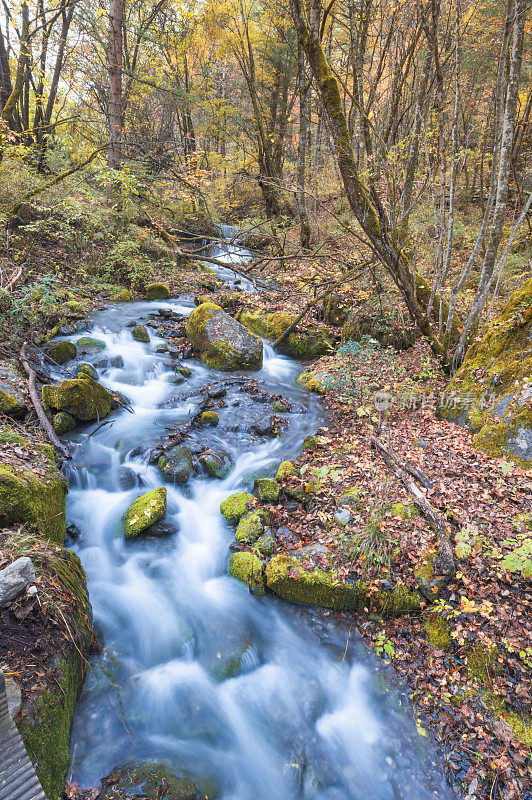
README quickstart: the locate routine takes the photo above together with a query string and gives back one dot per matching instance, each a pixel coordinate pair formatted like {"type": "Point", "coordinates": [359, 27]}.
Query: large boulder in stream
{"type": "Point", "coordinates": [83, 398]}
{"type": "Point", "coordinates": [144, 511]}
{"type": "Point", "coordinates": [491, 393]}
{"type": "Point", "coordinates": [32, 489]}
{"type": "Point", "coordinates": [314, 341]}
{"type": "Point", "coordinates": [220, 341]}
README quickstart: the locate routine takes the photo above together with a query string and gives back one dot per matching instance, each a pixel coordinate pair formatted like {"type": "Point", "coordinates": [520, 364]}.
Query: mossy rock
{"type": "Point", "coordinates": [217, 465]}
{"type": "Point", "coordinates": [490, 392]}
{"type": "Point", "coordinates": [12, 400]}
{"type": "Point", "coordinates": [312, 343]}
{"type": "Point", "coordinates": [86, 343]}
{"type": "Point", "coordinates": [280, 407]}
{"type": "Point", "coordinates": [286, 469]}
{"type": "Point", "coordinates": [83, 398]}
{"type": "Point", "coordinates": [430, 584]}
{"type": "Point", "coordinates": [147, 781]}
{"type": "Point", "coordinates": [209, 418]}
{"type": "Point", "coordinates": [220, 341]}
{"type": "Point", "coordinates": [314, 380]}
{"type": "Point", "coordinates": [287, 578]}
{"type": "Point", "coordinates": [267, 490]}
{"type": "Point", "coordinates": [310, 443]}
{"type": "Point", "coordinates": [123, 296]}
{"type": "Point", "coordinates": [83, 370]}
{"type": "Point", "coordinates": [351, 499]}
{"type": "Point", "coordinates": [47, 717]}
{"type": "Point", "coordinates": [252, 525]}
{"type": "Point", "coordinates": [402, 511]}
{"type": "Point", "coordinates": [438, 631]}
{"type": "Point", "coordinates": [157, 291]}
{"type": "Point", "coordinates": [61, 352]}
{"type": "Point", "coordinates": [265, 544]}
{"type": "Point", "coordinates": [235, 506]}
{"type": "Point", "coordinates": [482, 663]}
{"type": "Point", "coordinates": [176, 464]}
{"type": "Point", "coordinates": [35, 496]}
{"type": "Point", "coordinates": [63, 423]}
{"type": "Point", "coordinates": [247, 567]}
{"type": "Point", "coordinates": [140, 334]}
{"type": "Point", "coordinates": [144, 511]}
{"type": "Point", "coordinates": [11, 436]}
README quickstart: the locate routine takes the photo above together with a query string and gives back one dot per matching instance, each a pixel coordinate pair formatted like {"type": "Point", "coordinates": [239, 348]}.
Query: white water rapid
{"type": "Point", "coordinates": [252, 697]}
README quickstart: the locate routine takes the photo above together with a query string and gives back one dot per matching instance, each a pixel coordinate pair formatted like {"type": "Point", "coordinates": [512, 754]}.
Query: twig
{"type": "Point", "coordinates": [39, 408]}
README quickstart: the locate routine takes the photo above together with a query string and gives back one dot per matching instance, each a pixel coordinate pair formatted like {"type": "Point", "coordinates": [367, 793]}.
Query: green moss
{"type": "Point", "coordinates": [12, 401]}
{"type": "Point", "coordinates": [34, 496]}
{"type": "Point", "coordinates": [45, 727]}
{"type": "Point", "coordinates": [209, 418]}
{"type": "Point", "coordinates": [251, 525]}
{"type": "Point", "coordinates": [84, 398]}
{"type": "Point", "coordinates": [430, 584]}
{"type": "Point", "coordinates": [157, 291]}
{"type": "Point", "coordinates": [286, 577]}
{"type": "Point", "coordinates": [272, 324]}
{"type": "Point", "coordinates": [144, 511]}
{"type": "Point", "coordinates": [482, 663]}
{"type": "Point", "coordinates": [521, 726]}
{"type": "Point", "coordinates": [61, 352]}
{"type": "Point", "coordinates": [247, 567]}
{"type": "Point", "coordinates": [123, 296]}
{"type": "Point", "coordinates": [217, 465]}
{"type": "Point", "coordinates": [314, 380]}
{"type": "Point", "coordinates": [235, 506]}
{"type": "Point", "coordinates": [63, 423]}
{"type": "Point", "coordinates": [10, 435]}
{"type": "Point", "coordinates": [351, 499]}
{"type": "Point", "coordinates": [267, 490]}
{"type": "Point", "coordinates": [84, 370]}
{"type": "Point", "coordinates": [75, 307]}
{"type": "Point", "coordinates": [438, 631]}
{"type": "Point", "coordinates": [140, 334]}
{"type": "Point", "coordinates": [286, 469]}
{"type": "Point", "coordinates": [496, 370]}
{"type": "Point", "coordinates": [88, 343]}
{"type": "Point", "coordinates": [265, 544]}
{"type": "Point", "coordinates": [310, 443]}
{"type": "Point", "coordinates": [209, 343]}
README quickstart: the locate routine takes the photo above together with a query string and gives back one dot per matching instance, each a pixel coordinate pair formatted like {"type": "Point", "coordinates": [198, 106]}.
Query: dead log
{"type": "Point", "coordinates": [445, 565]}
{"type": "Point", "coordinates": [39, 408]}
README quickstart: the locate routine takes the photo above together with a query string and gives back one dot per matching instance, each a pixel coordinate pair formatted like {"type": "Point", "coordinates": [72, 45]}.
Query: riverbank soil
{"type": "Point", "coordinates": [465, 650]}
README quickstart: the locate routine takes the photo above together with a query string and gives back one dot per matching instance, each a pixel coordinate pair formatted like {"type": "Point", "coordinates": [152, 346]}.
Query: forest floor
{"type": "Point", "coordinates": [467, 659]}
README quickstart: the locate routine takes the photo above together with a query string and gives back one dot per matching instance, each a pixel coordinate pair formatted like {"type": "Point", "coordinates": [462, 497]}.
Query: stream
{"type": "Point", "coordinates": [252, 697]}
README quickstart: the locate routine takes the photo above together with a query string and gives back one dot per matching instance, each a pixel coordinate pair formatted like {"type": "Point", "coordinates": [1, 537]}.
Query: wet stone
{"type": "Point", "coordinates": [161, 529]}
{"type": "Point", "coordinates": [265, 426]}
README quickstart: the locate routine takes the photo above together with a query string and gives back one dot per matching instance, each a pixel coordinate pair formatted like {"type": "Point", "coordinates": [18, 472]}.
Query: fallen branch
{"type": "Point", "coordinates": [12, 281]}
{"type": "Point", "coordinates": [446, 564]}
{"type": "Point", "coordinates": [39, 408]}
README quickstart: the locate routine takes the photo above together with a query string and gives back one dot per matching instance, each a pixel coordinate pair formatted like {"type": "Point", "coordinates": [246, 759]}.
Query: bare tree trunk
{"type": "Point", "coordinates": [304, 122]}
{"type": "Point", "coordinates": [503, 176]}
{"type": "Point", "coordinates": [22, 63]}
{"type": "Point", "coordinates": [116, 22]}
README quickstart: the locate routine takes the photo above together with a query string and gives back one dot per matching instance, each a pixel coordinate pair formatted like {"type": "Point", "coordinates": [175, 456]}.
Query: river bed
{"type": "Point", "coordinates": [252, 698]}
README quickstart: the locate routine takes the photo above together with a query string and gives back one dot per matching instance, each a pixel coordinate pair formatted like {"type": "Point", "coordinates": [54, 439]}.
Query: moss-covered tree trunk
{"type": "Point", "coordinates": [392, 246]}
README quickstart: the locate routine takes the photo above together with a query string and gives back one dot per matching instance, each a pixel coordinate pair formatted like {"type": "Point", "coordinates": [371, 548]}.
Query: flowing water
{"type": "Point", "coordinates": [263, 700]}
